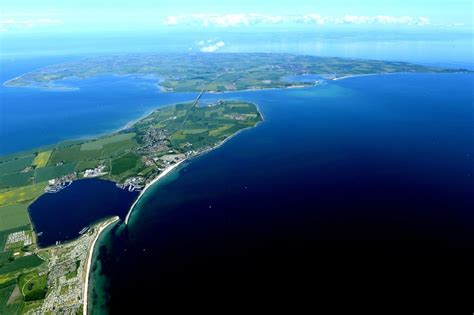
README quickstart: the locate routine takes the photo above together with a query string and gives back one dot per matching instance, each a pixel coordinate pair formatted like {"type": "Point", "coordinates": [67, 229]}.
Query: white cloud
{"type": "Point", "coordinates": [423, 20]}
{"type": "Point", "coordinates": [245, 20]}
{"type": "Point", "coordinates": [171, 20]}
{"type": "Point", "coordinates": [383, 20]}
{"type": "Point", "coordinates": [225, 20]}
{"type": "Point", "coordinates": [10, 23]}
{"type": "Point", "coordinates": [353, 19]}
{"type": "Point", "coordinates": [213, 47]}
{"type": "Point", "coordinates": [312, 18]}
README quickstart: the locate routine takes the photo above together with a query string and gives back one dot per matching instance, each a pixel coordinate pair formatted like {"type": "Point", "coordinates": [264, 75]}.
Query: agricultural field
{"type": "Point", "coordinates": [50, 172]}
{"type": "Point", "coordinates": [195, 128]}
{"type": "Point", "coordinates": [16, 164]}
{"type": "Point", "coordinates": [42, 159]}
{"type": "Point", "coordinates": [21, 194]}
{"type": "Point", "coordinates": [25, 262]}
{"type": "Point", "coordinates": [11, 301]}
{"type": "Point", "coordinates": [100, 143]}
{"type": "Point", "coordinates": [13, 215]}
{"type": "Point", "coordinates": [128, 164]}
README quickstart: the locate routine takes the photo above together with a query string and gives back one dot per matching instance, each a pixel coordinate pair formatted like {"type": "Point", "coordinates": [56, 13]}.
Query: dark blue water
{"type": "Point", "coordinates": [62, 215]}
{"type": "Point", "coordinates": [101, 105]}
{"type": "Point", "coordinates": [361, 187]}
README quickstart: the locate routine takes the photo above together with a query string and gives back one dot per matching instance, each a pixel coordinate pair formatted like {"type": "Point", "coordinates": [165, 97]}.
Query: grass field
{"type": "Point", "coordinates": [41, 160]}
{"type": "Point", "coordinates": [17, 179]}
{"type": "Point", "coordinates": [117, 148]}
{"type": "Point", "coordinates": [99, 143]}
{"type": "Point", "coordinates": [50, 172]}
{"type": "Point", "coordinates": [127, 165]}
{"type": "Point", "coordinates": [21, 194]}
{"type": "Point", "coordinates": [33, 286]}
{"type": "Point", "coordinates": [16, 165]}
{"type": "Point", "coordinates": [13, 215]}
{"type": "Point", "coordinates": [21, 263]}
{"type": "Point", "coordinates": [72, 155]}
{"type": "Point", "coordinates": [14, 306]}
{"type": "Point", "coordinates": [4, 257]}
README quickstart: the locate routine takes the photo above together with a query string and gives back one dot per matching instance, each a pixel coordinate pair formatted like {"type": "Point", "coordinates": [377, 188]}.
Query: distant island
{"type": "Point", "coordinates": [221, 72]}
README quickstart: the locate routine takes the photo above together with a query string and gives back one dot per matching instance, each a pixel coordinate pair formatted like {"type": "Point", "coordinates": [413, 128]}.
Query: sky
{"type": "Point", "coordinates": [59, 16]}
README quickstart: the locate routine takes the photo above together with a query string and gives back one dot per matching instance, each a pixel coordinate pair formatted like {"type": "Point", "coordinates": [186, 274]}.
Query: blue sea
{"type": "Point", "coordinates": [363, 182]}
{"type": "Point", "coordinates": [100, 105]}
{"type": "Point", "coordinates": [356, 183]}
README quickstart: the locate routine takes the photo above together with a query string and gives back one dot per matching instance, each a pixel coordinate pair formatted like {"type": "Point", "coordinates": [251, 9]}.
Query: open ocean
{"type": "Point", "coordinates": [367, 181]}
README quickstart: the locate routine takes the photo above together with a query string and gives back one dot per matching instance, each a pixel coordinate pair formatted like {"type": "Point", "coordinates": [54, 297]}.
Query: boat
{"type": "Point", "coordinates": [84, 230]}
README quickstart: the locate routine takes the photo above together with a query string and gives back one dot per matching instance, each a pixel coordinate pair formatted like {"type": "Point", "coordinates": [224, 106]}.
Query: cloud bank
{"type": "Point", "coordinates": [235, 20]}
{"type": "Point", "coordinates": [10, 23]}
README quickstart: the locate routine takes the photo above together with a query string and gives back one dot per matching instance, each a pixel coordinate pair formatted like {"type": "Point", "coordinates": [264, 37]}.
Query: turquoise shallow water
{"type": "Point", "coordinates": [365, 180]}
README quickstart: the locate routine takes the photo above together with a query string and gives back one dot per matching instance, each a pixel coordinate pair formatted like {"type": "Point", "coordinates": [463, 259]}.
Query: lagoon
{"type": "Point", "coordinates": [61, 216]}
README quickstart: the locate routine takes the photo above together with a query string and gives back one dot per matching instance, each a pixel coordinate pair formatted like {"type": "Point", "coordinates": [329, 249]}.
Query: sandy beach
{"type": "Point", "coordinates": [162, 174]}
{"type": "Point", "coordinates": [102, 227]}
{"type": "Point", "coordinates": [172, 167]}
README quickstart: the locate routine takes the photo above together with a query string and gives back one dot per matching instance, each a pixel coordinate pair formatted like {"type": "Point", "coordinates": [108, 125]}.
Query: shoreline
{"type": "Point", "coordinates": [172, 167]}
{"type": "Point", "coordinates": [165, 172]}
{"type": "Point", "coordinates": [359, 75]}
{"type": "Point", "coordinates": [89, 262]}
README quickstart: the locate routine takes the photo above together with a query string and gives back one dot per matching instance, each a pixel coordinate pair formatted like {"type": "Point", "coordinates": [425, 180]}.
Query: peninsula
{"type": "Point", "coordinates": [55, 279]}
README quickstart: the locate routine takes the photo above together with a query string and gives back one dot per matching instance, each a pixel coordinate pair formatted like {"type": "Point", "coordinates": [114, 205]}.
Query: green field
{"type": "Point", "coordinates": [42, 159]}
{"type": "Point", "coordinates": [4, 257]}
{"type": "Point", "coordinates": [99, 143]}
{"type": "Point", "coordinates": [13, 215]}
{"type": "Point", "coordinates": [16, 165]}
{"type": "Point", "coordinates": [50, 172]}
{"type": "Point", "coordinates": [17, 179]}
{"type": "Point", "coordinates": [21, 263]}
{"type": "Point", "coordinates": [21, 194]}
{"type": "Point", "coordinates": [126, 166]}
{"type": "Point", "coordinates": [33, 286]}
{"type": "Point", "coordinates": [72, 155]}
{"type": "Point", "coordinates": [14, 306]}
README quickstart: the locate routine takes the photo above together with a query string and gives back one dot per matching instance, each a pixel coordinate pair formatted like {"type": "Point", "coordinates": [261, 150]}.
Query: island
{"type": "Point", "coordinates": [221, 72]}
{"type": "Point", "coordinates": [55, 279]}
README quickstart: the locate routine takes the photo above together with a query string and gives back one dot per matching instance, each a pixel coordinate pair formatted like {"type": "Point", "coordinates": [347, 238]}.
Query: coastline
{"type": "Point", "coordinates": [172, 167]}
{"type": "Point", "coordinates": [160, 176]}
{"type": "Point", "coordinates": [357, 75]}
{"type": "Point", "coordinates": [89, 261]}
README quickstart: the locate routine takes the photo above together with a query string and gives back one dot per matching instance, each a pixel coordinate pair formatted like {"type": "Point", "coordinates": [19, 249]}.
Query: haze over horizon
{"type": "Point", "coordinates": [54, 16]}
